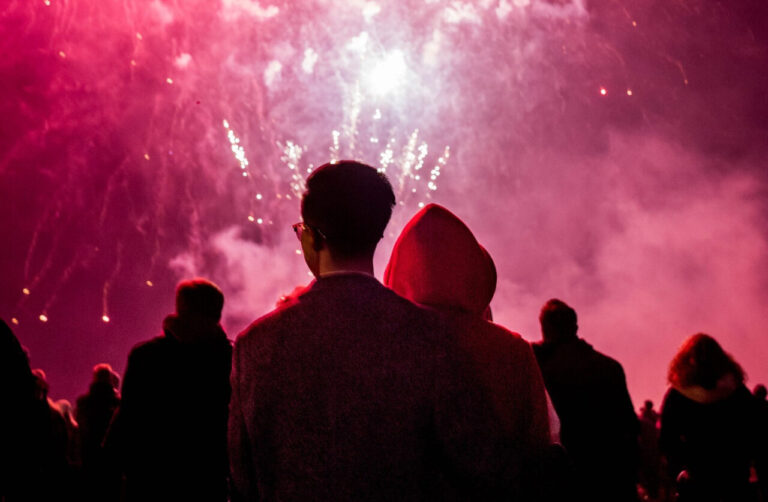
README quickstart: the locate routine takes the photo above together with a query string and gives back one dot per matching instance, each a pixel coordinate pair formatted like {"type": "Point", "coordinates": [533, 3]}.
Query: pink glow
{"type": "Point", "coordinates": [144, 142]}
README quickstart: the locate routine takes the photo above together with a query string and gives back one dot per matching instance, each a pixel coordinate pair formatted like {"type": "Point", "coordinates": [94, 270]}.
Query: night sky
{"type": "Point", "coordinates": [608, 153]}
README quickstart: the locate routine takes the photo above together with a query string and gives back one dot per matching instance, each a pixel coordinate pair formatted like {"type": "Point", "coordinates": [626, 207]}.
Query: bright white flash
{"type": "Point", "coordinates": [388, 73]}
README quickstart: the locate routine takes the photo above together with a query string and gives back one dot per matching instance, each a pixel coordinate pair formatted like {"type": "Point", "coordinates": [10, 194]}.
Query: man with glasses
{"type": "Point", "coordinates": [348, 391]}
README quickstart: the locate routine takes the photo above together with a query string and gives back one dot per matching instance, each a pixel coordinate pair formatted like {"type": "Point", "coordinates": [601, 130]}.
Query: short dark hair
{"type": "Point", "coordinates": [201, 297]}
{"type": "Point", "coordinates": [558, 320]}
{"type": "Point", "coordinates": [350, 204]}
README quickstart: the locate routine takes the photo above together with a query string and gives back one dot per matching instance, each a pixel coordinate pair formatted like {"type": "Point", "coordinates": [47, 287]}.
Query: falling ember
{"type": "Point", "coordinates": [105, 318]}
{"type": "Point", "coordinates": [169, 80]}
{"type": "Point", "coordinates": [629, 92]}
{"type": "Point", "coordinates": [149, 283]}
{"type": "Point", "coordinates": [25, 291]}
{"type": "Point", "coordinates": [14, 320]}
{"type": "Point", "coordinates": [43, 318]}
{"type": "Point", "coordinates": [603, 91]}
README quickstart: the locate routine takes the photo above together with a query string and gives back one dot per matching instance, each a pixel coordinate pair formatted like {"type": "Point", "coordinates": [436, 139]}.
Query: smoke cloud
{"type": "Point", "coordinates": [611, 154]}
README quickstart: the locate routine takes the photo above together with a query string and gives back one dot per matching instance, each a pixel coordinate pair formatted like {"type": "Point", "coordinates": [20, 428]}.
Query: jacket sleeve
{"type": "Point", "coordinates": [240, 451]}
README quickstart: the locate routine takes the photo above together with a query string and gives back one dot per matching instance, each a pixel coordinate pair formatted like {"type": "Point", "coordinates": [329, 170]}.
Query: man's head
{"type": "Point", "coordinates": [199, 298]}
{"type": "Point", "coordinates": [558, 322]}
{"type": "Point", "coordinates": [345, 208]}
{"type": "Point", "coordinates": [104, 374]}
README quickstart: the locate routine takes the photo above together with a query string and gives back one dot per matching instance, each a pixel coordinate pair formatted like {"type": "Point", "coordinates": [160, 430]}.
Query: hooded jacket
{"type": "Point", "coordinates": [437, 262]}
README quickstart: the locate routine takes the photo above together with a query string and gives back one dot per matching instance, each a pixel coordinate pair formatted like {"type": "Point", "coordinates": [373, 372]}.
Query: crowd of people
{"type": "Point", "coordinates": [356, 390]}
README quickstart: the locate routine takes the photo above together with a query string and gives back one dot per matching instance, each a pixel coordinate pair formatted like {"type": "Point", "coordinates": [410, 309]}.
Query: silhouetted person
{"type": "Point", "coordinates": [94, 414]}
{"type": "Point", "coordinates": [348, 391]}
{"type": "Point", "coordinates": [649, 454]}
{"type": "Point", "coordinates": [599, 427]}
{"type": "Point", "coordinates": [760, 392]}
{"type": "Point", "coordinates": [438, 263]}
{"type": "Point", "coordinates": [709, 424]}
{"type": "Point", "coordinates": [170, 430]}
{"type": "Point", "coordinates": [33, 463]}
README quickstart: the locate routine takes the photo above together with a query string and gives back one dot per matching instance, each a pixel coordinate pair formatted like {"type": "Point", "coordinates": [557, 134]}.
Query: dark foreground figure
{"type": "Point", "coordinates": [94, 414]}
{"type": "Point", "coordinates": [349, 391]}
{"type": "Point", "coordinates": [711, 430]}
{"type": "Point", "coordinates": [599, 428]}
{"type": "Point", "coordinates": [33, 441]}
{"type": "Point", "coordinates": [169, 435]}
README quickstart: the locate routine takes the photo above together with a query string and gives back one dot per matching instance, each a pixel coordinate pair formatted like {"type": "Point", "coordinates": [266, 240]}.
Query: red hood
{"type": "Point", "coordinates": [437, 261]}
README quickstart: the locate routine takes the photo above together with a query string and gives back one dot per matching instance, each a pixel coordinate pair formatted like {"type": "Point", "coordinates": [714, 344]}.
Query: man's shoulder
{"type": "Point", "coordinates": [299, 311]}
{"type": "Point", "coordinates": [148, 348]}
{"type": "Point", "coordinates": [608, 363]}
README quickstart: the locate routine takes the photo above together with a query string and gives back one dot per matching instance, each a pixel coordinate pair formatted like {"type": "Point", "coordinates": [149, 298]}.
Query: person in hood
{"type": "Point", "coordinates": [169, 434]}
{"type": "Point", "coordinates": [599, 428]}
{"type": "Point", "coordinates": [437, 262]}
{"type": "Point", "coordinates": [348, 391]}
{"type": "Point", "coordinates": [710, 430]}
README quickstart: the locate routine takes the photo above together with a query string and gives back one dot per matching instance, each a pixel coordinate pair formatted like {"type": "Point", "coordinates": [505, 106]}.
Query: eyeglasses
{"type": "Point", "coordinates": [298, 229]}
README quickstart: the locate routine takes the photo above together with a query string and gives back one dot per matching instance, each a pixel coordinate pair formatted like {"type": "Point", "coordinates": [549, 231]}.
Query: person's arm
{"type": "Point", "coordinates": [669, 436]}
{"type": "Point", "coordinates": [240, 460]}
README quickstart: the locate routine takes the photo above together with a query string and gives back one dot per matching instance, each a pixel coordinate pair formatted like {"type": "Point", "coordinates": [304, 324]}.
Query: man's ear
{"type": "Point", "coordinates": [318, 243]}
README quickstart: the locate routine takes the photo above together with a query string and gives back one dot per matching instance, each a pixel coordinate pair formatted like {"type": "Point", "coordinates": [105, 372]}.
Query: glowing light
{"type": "Point", "coordinates": [138, 35]}
{"type": "Point", "coordinates": [388, 74]}
{"type": "Point", "coordinates": [603, 91]}
{"type": "Point", "coordinates": [310, 58]}
{"type": "Point", "coordinates": [291, 157]}
{"type": "Point", "coordinates": [272, 72]}
{"type": "Point", "coordinates": [183, 60]}
{"type": "Point", "coordinates": [298, 251]}
{"type": "Point", "coordinates": [62, 54]}
{"type": "Point", "coordinates": [335, 147]}
{"type": "Point", "coordinates": [25, 291]}
{"type": "Point", "coordinates": [14, 321]}
{"type": "Point", "coordinates": [146, 156]}
{"type": "Point", "coordinates": [629, 92]}
{"type": "Point", "coordinates": [377, 114]}
{"type": "Point", "coordinates": [634, 23]}
{"type": "Point", "coordinates": [238, 150]}
{"type": "Point", "coordinates": [370, 9]}
{"type": "Point", "coordinates": [258, 196]}
{"type": "Point", "coordinates": [105, 318]}
{"type": "Point", "coordinates": [149, 283]}
{"type": "Point", "coordinates": [359, 43]}
{"type": "Point", "coordinates": [169, 80]}
{"type": "Point", "coordinates": [259, 221]}
{"type": "Point", "coordinates": [47, 2]}
{"type": "Point", "coordinates": [43, 318]}
{"type": "Point", "coordinates": [133, 62]}
{"type": "Point", "coordinates": [251, 218]}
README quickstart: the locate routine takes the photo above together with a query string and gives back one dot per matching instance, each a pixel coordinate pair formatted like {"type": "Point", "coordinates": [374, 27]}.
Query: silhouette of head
{"type": "Point", "coordinates": [760, 392]}
{"type": "Point", "coordinates": [104, 374]}
{"type": "Point", "coordinates": [199, 299]}
{"type": "Point", "coordinates": [558, 322]}
{"type": "Point", "coordinates": [346, 206]}
{"type": "Point", "coordinates": [648, 405]}
{"type": "Point", "coordinates": [41, 384]}
{"type": "Point", "coordinates": [701, 361]}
